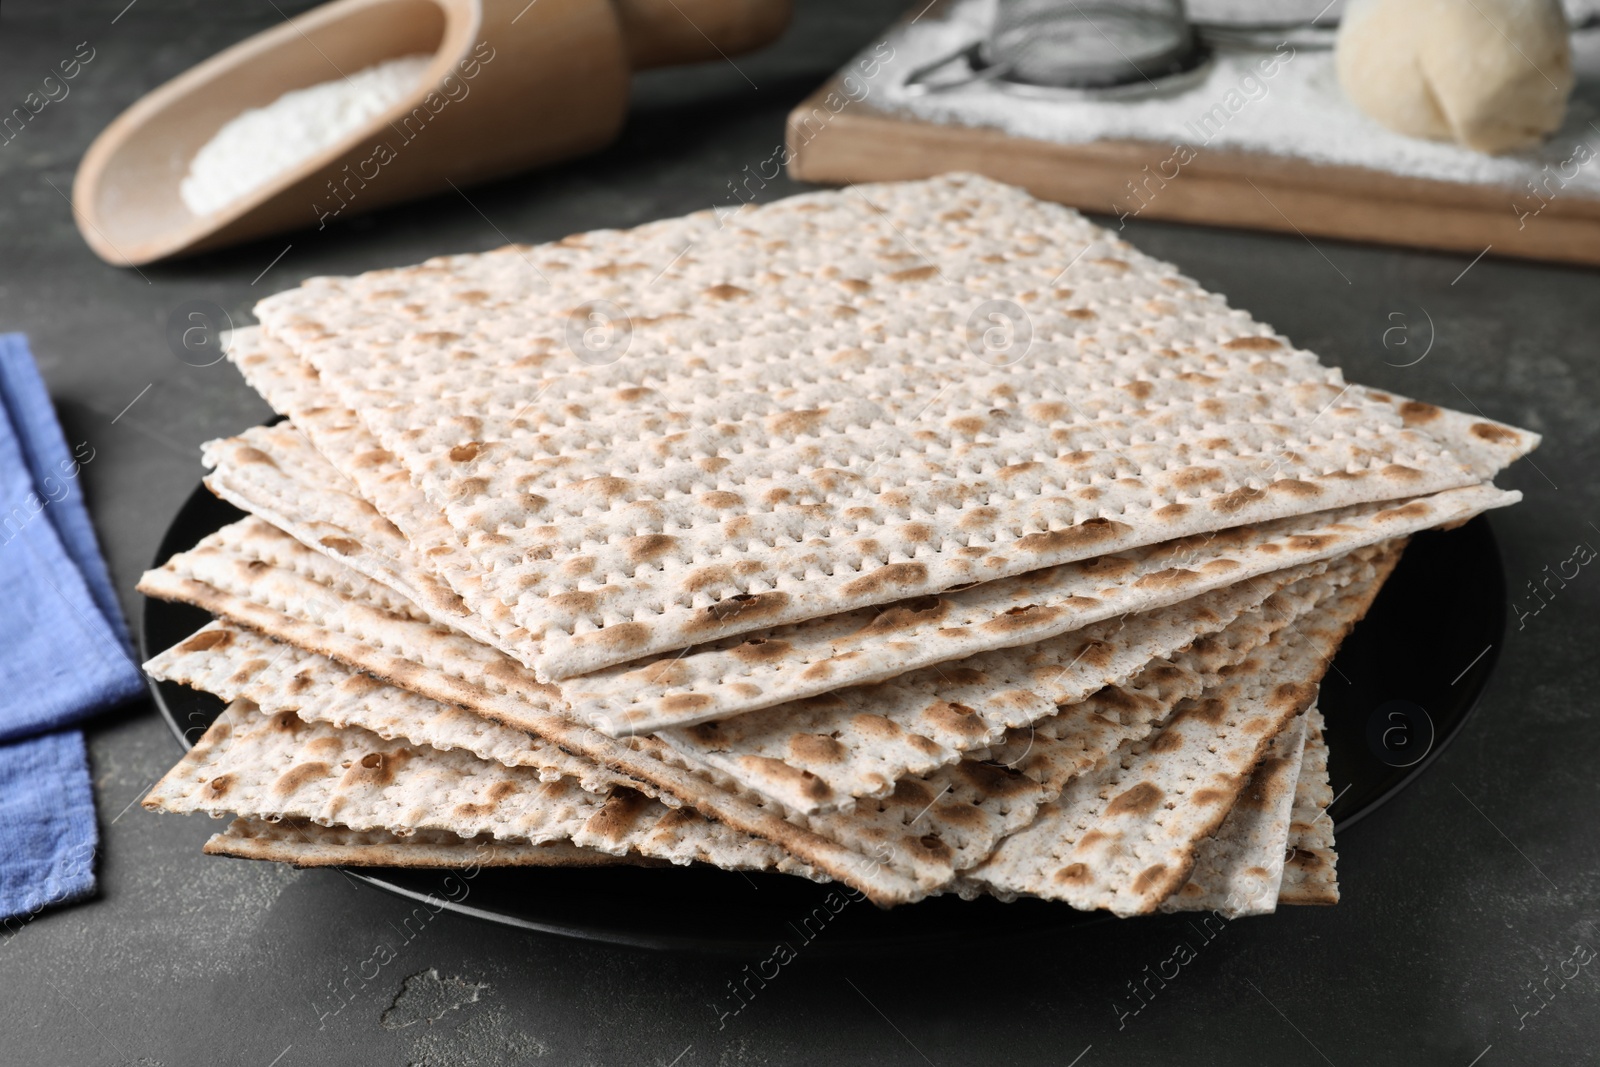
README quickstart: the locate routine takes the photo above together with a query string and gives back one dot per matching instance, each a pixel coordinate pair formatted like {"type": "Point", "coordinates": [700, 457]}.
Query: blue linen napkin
{"type": "Point", "coordinates": [64, 648]}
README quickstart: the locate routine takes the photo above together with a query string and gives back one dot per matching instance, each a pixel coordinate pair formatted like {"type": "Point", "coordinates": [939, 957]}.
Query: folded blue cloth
{"type": "Point", "coordinates": [47, 830]}
{"type": "Point", "coordinates": [64, 648]}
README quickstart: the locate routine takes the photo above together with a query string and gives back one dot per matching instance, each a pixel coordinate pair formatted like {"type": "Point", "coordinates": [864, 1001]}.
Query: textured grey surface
{"type": "Point", "coordinates": [1461, 897]}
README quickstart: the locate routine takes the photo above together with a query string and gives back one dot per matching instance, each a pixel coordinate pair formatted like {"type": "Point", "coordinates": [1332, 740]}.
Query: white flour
{"type": "Point", "coordinates": [259, 144]}
{"type": "Point", "coordinates": [1263, 10]}
{"type": "Point", "coordinates": [1306, 10]}
{"type": "Point", "coordinates": [1298, 111]}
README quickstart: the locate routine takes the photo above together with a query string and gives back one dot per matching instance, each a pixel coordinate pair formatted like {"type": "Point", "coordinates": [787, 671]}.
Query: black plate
{"type": "Point", "coordinates": [1397, 693]}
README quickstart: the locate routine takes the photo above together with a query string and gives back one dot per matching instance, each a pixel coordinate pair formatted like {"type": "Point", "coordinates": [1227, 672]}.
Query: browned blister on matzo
{"type": "Point", "coordinates": [804, 419]}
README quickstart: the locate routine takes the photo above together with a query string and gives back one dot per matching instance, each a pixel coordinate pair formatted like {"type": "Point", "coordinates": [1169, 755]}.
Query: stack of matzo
{"type": "Point", "coordinates": [790, 571]}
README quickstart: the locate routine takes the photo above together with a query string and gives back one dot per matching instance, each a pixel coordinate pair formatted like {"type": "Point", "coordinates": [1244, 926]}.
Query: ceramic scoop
{"type": "Point", "coordinates": [513, 84]}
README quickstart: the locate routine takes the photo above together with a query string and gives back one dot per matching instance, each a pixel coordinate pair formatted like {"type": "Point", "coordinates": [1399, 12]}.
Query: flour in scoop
{"type": "Point", "coordinates": [257, 145]}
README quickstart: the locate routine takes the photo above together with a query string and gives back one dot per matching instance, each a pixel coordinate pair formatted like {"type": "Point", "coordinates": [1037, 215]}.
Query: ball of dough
{"type": "Point", "coordinates": [1491, 74]}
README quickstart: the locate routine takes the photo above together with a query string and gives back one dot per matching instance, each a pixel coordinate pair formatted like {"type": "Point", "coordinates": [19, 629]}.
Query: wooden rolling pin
{"type": "Point", "coordinates": [513, 84]}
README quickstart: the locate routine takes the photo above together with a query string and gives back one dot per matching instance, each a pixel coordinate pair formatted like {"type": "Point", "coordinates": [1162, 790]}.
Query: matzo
{"type": "Point", "coordinates": [304, 843]}
{"type": "Point", "coordinates": [294, 389]}
{"type": "Point", "coordinates": [1238, 871]}
{"type": "Point", "coordinates": [239, 664]}
{"type": "Point", "coordinates": [710, 482]}
{"type": "Point", "coordinates": [1124, 838]}
{"type": "Point", "coordinates": [449, 790]}
{"type": "Point", "coordinates": [641, 758]}
{"type": "Point", "coordinates": [253, 562]}
{"type": "Point", "coordinates": [863, 740]}
{"type": "Point", "coordinates": [930, 827]}
{"type": "Point", "coordinates": [854, 743]}
{"type": "Point", "coordinates": [1053, 750]}
{"type": "Point", "coordinates": [723, 680]}
{"type": "Point", "coordinates": [390, 650]}
{"type": "Point", "coordinates": [1310, 873]}
{"type": "Point", "coordinates": [1018, 686]}
{"type": "Point", "coordinates": [277, 765]}
{"type": "Point", "coordinates": [977, 804]}
{"type": "Point", "coordinates": [872, 644]}
{"type": "Point", "coordinates": [274, 473]}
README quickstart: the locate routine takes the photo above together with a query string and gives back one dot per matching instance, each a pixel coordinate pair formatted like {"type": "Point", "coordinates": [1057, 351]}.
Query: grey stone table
{"type": "Point", "coordinates": [1462, 896]}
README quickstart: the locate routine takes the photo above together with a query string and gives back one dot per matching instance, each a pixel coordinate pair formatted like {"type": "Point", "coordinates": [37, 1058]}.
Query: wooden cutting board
{"type": "Point", "coordinates": [861, 143]}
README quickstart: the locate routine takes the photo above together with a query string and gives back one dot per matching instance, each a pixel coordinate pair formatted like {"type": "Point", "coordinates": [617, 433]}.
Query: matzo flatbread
{"type": "Point", "coordinates": [910, 728]}
{"type": "Point", "coordinates": [997, 801]}
{"type": "Point", "coordinates": [865, 740]}
{"type": "Point", "coordinates": [1050, 749]}
{"type": "Point", "coordinates": [930, 827]}
{"type": "Point", "coordinates": [1124, 838]}
{"type": "Point", "coordinates": [273, 472]}
{"type": "Point", "coordinates": [1310, 874]}
{"type": "Point", "coordinates": [642, 758]}
{"type": "Point", "coordinates": [721, 680]}
{"type": "Point", "coordinates": [927, 830]}
{"type": "Point", "coordinates": [294, 389]}
{"type": "Point", "coordinates": [1238, 871]}
{"type": "Point", "coordinates": [813, 754]}
{"type": "Point", "coordinates": [711, 483]}
{"type": "Point", "coordinates": [1002, 689]}
{"type": "Point", "coordinates": [238, 664]}
{"type": "Point", "coordinates": [304, 843]}
{"type": "Point", "coordinates": [277, 765]}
